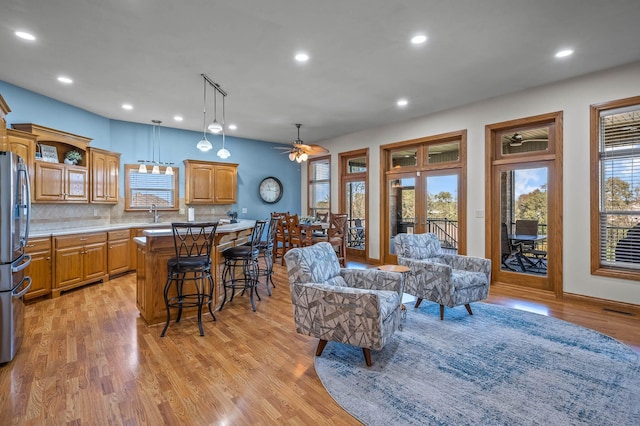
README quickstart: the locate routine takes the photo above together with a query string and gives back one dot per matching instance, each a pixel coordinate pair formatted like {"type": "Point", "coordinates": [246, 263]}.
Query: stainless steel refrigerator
{"type": "Point", "coordinates": [15, 210]}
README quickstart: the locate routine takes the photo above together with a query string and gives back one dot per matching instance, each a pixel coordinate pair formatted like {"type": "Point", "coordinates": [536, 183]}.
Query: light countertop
{"type": "Point", "coordinates": [158, 229]}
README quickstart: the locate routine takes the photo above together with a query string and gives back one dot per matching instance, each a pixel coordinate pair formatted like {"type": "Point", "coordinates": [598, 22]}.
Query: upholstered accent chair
{"type": "Point", "coordinates": [359, 307]}
{"type": "Point", "coordinates": [447, 279]}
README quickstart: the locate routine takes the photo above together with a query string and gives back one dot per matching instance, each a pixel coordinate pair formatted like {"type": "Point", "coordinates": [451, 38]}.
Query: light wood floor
{"type": "Point", "coordinates": [89, 359]}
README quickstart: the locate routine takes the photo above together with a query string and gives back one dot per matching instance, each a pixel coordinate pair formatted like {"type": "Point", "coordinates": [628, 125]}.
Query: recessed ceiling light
{"type": "Point", "coordinates": [302, 57]}
{"type": "Point", "coordinates": [418, 39]}
{"type": "Point", "coordinates": [65, 80]}
{"type": "Point", "coordinates": [402, 102]}
{"type": "Point", "coordinates": [127, 106]}
{"type": "Point", "coordinates": [178, 118]}
{"type": "Point", "coordinates": [564, 53]}
{"type": "Point", "coordinates": [232, 127]}
{"type": "Point", "coordinates": [25, 36]}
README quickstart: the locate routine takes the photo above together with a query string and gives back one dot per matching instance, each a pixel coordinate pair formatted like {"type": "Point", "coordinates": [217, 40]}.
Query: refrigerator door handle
{"type": "Point", "coordinates": [24, 290]}
{"type": "Point", "coordinates": [25, 261]}
{"type": "Point", "coordinates": [27, 204]}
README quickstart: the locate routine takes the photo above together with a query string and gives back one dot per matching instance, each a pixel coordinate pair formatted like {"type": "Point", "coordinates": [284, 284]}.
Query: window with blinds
{"type": "Point", "coordinates": [319, 189]}
{"type": "Point", "coordinates": [145, 189]}
{"type": "Point", "coordinates": [619, 184]}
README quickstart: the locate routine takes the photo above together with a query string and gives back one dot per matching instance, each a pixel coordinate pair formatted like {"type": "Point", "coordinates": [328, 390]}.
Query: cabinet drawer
{"type": "Point", "coordinates": [80, 239]}
{"type": "Point", "coordinates": [118, 235]}
{"type": "Point", "coordinates": [38, 244]}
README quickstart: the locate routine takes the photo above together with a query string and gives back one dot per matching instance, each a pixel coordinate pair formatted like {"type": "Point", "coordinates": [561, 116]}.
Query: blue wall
{"type": "Point", "coordinates": [255, 159]}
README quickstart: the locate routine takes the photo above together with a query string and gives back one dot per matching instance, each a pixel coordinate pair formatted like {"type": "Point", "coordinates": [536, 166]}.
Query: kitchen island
{"type": "Point", "coordinates": [153, 251]}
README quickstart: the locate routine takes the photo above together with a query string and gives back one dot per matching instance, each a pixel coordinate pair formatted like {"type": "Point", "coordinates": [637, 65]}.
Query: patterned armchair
{"type": "Point", "coordinates": [359, 307]}
{"type": "Point", "coordinates": [447, 279]}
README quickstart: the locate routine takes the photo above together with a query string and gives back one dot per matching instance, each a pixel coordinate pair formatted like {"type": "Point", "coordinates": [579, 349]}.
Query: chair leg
{"type": "Point", "coordinates": [166, 303]}
{"type": "Point", "coordinates": [418, 303]}
{"type": "Point", "coordinates": [441, 312]}
{"type": "Point", "coordinates": [211, 302]}
{"type": "Point", "coordinates": [321, 344]}
{"type": "Point", "coordinates": [468, 306]}
{"type": "Point", "coordinates": [367, 356]}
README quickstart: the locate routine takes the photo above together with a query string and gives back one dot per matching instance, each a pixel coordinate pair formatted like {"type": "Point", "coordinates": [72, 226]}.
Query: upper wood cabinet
{"type": "Point", "coordinates": [23, 144]}
{"type": "Point", "coordinates": [4, 110]}
{"type": "Point", "coordinates": [209, 182]}
{"type": "Point", "coordinates": [105, 175]}
{"type": "Point", "coordinates": [56, 182]}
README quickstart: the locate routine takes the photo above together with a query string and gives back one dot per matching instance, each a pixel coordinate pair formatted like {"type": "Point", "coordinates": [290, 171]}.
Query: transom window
{"type": "Point", "coordinates": [144, 189]}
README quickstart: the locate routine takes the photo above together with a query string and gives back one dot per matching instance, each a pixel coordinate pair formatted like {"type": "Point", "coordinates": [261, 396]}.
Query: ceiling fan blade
{"type": "Point", "coordinates": [316, 149]}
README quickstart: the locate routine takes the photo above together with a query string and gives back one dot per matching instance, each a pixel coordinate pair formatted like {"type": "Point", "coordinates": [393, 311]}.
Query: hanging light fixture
{"type": "Point", "coordinates": [155, 165]}
{"type": "Point", "coordinates": [214, 126]}
{"type": "Point", "coordinates": [297, 153]}
{"type": "Point", "coordinates": [223, 152]}
{"type": "Point", "coordinates": [204, 145]}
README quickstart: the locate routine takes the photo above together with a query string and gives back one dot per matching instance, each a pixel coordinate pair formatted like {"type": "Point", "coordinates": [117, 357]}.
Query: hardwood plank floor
{"type": "Point", "coordinates": [88, 358]}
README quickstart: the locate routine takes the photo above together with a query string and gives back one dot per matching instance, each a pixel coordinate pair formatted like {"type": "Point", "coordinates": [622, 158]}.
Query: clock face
{"type": "Point", "coordinates": [270, 190]}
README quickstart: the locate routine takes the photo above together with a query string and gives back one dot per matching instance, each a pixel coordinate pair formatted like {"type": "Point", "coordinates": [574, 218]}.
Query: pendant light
{"type": "Point", "coordinates": [155, 165]}
{"type": "Point", "coordinates": [214, 126]}
{"type": "Point", "coordinates": [223, 152]}
{"type": "Point", "coordinates": [204, 145]}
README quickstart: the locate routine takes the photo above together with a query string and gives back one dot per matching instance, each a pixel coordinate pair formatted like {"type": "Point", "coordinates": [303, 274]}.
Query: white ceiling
{"type": "Point", "coordinates": [151, 53]}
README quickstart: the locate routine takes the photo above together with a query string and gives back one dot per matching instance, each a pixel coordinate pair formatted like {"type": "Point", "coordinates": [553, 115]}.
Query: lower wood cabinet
{"type": "Point", "coordinates": [119, 254]}
{"type": "Point", "coordinates": [40, 268]}
{"type": "Point", "coordinates": [79, 259]}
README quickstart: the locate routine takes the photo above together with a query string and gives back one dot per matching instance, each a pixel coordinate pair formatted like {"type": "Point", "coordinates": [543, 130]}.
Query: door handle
{"type": "Point", "coordinates": [24, 290]}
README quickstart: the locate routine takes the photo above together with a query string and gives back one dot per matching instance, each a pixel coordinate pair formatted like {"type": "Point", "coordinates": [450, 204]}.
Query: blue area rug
{"type": "Point", "coordinates": [500, 366]}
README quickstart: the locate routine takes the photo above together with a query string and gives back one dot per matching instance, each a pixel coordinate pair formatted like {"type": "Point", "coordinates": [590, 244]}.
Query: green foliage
{"type": "Point", "coordinates": [533, 205]}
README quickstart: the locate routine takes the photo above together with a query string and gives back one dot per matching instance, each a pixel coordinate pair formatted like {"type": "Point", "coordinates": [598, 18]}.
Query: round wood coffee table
{"type": "Point", "coordinates": [401, 269]}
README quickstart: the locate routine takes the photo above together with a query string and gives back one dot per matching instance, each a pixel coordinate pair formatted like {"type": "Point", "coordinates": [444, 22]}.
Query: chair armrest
{"type": "Point", "coordinates": [432, 265]}
{"type": "Point", "coordinates": [468, 263]}
{"type": "Point", "coordinates": [313, 294]}
{"type": "Point", "coordinates": [372, 279]}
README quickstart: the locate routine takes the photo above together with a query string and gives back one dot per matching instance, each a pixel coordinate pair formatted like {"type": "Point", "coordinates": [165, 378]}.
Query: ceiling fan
{"type": "Point", "coordinates": [300, 151]}
{"type": "Point", "coordinates": [517, 139]}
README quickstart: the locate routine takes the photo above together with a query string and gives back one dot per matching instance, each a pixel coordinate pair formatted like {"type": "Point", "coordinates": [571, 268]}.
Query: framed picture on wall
{"type": "Point", "coordinates": [49, 153]}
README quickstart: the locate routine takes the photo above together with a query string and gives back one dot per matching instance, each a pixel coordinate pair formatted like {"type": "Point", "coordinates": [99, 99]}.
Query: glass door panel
{"type": "Point", "coordinates": [355, 203]}
{"type": "Point", "coordinates": [402, 207]}
{"type": "Point", "coordinates": [441, 209]}
{"type": "Point", "coordinates": [522, 227]}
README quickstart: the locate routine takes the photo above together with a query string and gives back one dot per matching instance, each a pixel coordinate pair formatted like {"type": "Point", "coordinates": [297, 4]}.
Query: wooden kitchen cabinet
{"type": "Point", "coordinates": [40, 268]}
{"type": "Point", "coordinates": [23, 144]}
{"type": "Point", "coordinates": [119, 254]}
{"type": "Point", "coordinates": [4, 110]}
{"type": "Point", "coordinates": [79, 259]}
{"type": "Point", "coordinates": [57, 182]}
{"type": "Point", "coordinates": [105, 172]}
{"type": "Point", "coordinates": [208, 182]}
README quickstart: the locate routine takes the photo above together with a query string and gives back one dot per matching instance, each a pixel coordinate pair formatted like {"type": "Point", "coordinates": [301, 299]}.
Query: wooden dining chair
{"type": "Point", "coordinates": [296, 238]}
{"type": "Point", "coordinates": [337, 235]}
{"type": "Point", "coordinates": [281, 238]}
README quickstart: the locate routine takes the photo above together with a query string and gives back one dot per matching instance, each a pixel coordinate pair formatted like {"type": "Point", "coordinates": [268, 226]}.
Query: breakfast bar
{"type": "Point", "coordinates": [156, 247]}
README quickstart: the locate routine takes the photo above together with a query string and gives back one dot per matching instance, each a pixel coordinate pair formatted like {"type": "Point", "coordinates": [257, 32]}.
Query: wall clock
{"type": "Point", "coordinates": [270, 190]}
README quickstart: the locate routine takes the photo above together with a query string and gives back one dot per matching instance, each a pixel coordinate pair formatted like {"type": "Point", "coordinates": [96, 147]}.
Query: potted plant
{"type": "Point", "coordinates": [72, 157]}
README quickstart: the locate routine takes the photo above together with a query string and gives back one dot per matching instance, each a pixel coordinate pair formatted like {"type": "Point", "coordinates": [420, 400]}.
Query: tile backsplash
{"type": "Point", "coordinates": [52, 217]}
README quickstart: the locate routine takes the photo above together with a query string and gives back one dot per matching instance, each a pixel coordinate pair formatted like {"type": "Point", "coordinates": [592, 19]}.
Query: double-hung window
{"type": "Point", "coordinates": [615, 202]}
{"type": "Point", "coordinates": [144, 189]}
{"type": "Point", "coordinates": [319, 189]}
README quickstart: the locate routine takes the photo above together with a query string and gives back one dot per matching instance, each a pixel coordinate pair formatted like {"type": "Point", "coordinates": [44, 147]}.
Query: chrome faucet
{"type": "Point", "coordinates": [154, 210]}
